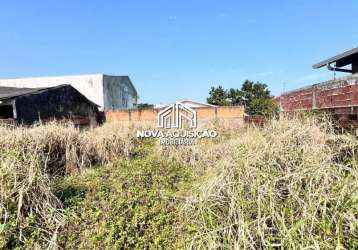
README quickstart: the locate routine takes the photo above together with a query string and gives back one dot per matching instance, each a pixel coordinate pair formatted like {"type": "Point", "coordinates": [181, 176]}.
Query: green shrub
{"type": "Point", "coordinates": [124, 205]}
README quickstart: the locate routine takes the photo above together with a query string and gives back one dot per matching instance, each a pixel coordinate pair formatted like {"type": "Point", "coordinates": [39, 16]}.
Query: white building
{"type": "Point", "coordinates": [108, 92]}
{"type": "Point", "coordinates": [188, 103]}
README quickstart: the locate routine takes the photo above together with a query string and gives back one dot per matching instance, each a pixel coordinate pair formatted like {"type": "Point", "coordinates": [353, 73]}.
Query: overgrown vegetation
{"type": "Point", "coordinates": [126, 205]}
{"type": "Point", "coordinates": [30, 214]}
{"type": "Point", "coordinates": [291, 184]}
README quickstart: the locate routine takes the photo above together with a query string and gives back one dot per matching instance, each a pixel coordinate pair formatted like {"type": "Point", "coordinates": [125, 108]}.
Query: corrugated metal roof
{"type": "Point", "coordinates": [336, 58]}
{"type": "Point", "coordinates": [11, 92]}
{"type": "Point", "coordinates": [7, 93]}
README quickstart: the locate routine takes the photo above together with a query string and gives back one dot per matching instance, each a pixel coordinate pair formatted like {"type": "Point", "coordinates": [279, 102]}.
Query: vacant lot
{"type": "Point", "coordinates": [291, 184]}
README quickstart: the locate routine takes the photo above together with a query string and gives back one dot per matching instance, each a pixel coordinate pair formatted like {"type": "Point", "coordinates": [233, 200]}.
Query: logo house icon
{"type": "Point", "coordinates": [175, 115]}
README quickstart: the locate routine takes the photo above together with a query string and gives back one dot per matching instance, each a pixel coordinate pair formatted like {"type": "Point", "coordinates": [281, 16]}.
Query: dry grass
{"type": "Point", "coordinates": [31, 157]}
{"type": "Point", "coordinates": [292, 184]}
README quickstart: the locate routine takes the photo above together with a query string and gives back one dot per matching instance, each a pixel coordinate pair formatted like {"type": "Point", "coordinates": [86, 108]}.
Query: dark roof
{"type": "Point", "coordinates": [7, 93]}
{"type": "Point", "coordinates": [341, 60]}
{"type": "Point", "coordinates": [11, 92]}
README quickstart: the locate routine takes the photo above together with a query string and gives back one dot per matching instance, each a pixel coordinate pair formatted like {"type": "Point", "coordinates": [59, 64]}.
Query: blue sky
{"type": "Point", "coordinates": [177, 49]}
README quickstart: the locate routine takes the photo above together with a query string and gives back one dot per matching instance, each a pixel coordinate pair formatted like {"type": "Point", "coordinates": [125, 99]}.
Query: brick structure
{"type": "Point", "coordinates": [234, 115]}
{"type": "Point", "coordinates": [340, 93]}
{"type": "Point", "coordinates": [337, 97]}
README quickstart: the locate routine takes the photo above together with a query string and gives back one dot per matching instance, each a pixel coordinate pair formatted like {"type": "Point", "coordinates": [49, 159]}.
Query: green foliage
{"type": "Point", "coordinates": [236, 97]}
{"type": "Point", "coordinates": [254, 96]}
{"type": "Point", "coordinates": [145, 106]}
{"type": "Point", "coordinates": [262, 106]}
{"type": "Point", "coordinates": [252, 91]}
{"type": "Point", "coordinates": [125, 205]}
{"type": "Point", "coordinates": [218, 96]}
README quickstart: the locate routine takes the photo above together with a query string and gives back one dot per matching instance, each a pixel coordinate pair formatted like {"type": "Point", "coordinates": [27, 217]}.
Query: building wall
{"type": "Point", "coordinates": [195, 104]}
{"type": "Point", "coordinates": [333, 94]}
{"type": "Point", "coordinates": [57, 103]}
{"type": "Point", "coordinates": [108, 92]}
{"type": "Point", "coordinates": [90, 86]}
{"type": "Point", "coordinates": [119, 93]}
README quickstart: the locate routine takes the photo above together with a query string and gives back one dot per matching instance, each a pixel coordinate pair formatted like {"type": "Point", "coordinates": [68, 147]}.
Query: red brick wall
{"type": "Point", "coordinates": [333, 94]}
{"type": "Point", "coordinates": [231, 114]}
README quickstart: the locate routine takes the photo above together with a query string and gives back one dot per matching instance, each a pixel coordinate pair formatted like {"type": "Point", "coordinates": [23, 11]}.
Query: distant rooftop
{"type": "Point", "coordinates": [7, 93]}
{"type": "Point", "coordinates": [62, 76]}
{"type": "Point", "coordinates": [341, 60]}
{"type": "Point", "coordinates": [11, 92]}
{"type": "Point", "coordinates": [190, 103]}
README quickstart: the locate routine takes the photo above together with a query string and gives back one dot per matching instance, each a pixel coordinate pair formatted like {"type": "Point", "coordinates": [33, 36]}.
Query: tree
{"type": "Point", "coordinates": [253, 91]}
{"type": "Point", "coordinates": [236, 97]}
{"type": "Point", "coordinates": [218, 96]}
{"type": "Point", "coordinates": [145, 106]}
{"type": "Point", "coordinates": [254, 96]}
{"type": "Point", "coordinates": [262, 106]}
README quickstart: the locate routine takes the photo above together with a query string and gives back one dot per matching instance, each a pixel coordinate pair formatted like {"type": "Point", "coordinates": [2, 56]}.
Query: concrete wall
{"type": "Point", "coordinates": [234, 114]}
{"type": "Point", "coordinates": [109, 92]}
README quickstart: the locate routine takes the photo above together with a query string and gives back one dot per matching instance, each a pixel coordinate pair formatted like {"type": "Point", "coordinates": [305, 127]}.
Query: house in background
{"type": "Point", "coordinates": [188, 103]}
{"type": "Point", "coordinates": [108, 92]}
{"type": "Point", "coordinates": [28, 105]}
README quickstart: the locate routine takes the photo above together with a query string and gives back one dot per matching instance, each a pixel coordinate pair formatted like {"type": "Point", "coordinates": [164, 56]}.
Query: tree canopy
{"type": "Point", "coordinates": [255, 97]}
{"type": "Point", "coordinates": [145, 106]}
{"type": "Point", "coordinates": [218, 96]}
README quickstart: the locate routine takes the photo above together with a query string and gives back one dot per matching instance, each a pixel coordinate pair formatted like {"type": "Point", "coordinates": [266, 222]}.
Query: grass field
{"type": "Point", "coordinates": [292, 184]}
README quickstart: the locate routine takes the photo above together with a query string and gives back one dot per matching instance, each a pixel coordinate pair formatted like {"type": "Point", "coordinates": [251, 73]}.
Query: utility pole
{"type": "Point", "coordinates": [283, 87]}
{"type": "Point", "coordinates": [281, 96]}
